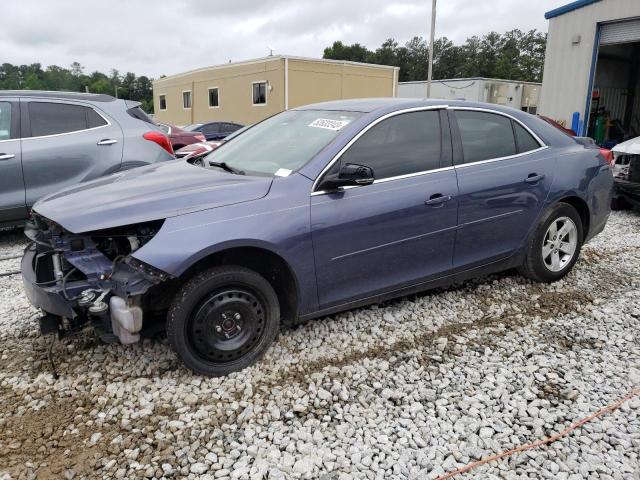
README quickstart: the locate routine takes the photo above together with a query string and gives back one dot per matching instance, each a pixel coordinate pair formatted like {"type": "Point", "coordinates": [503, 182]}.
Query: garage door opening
{"type": "Point", "coordinates": [614, 115]}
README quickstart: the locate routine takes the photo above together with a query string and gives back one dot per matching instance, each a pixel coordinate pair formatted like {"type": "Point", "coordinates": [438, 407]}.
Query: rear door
{"type": "Point", "coordinates": [65, 143]}
{"type": "Point", "coordinates": [398, 231]}
{"type": "Point", "coordinates": [504, 176]}
{"type": "Point", "coordinates": [12, 199]}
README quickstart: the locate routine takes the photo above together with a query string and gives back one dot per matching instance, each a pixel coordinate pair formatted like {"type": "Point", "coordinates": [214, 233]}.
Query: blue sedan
{"type": "Point", "coordinates": [313, 211]}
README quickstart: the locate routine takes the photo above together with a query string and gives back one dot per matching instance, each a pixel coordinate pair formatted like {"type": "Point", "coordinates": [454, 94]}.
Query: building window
{"type": "Point", "coordinates": [214, 97]}
{"type": "Point", "coordinates": [186, 99]}
{"type": "Point", "coordinates": [163, 102]}
{"type": "Point", "coordinates": [259, 93]}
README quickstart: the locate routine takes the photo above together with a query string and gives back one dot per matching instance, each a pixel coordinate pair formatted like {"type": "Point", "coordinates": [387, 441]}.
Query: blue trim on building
{"type": "Point", "coordinates": [592, 75]}
{"type": "Point", "coordinates": [556, 12]}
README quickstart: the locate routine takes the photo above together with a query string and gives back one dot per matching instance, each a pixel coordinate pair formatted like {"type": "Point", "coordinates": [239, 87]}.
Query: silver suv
{"type": "Point", "coordinates": [51, 140]}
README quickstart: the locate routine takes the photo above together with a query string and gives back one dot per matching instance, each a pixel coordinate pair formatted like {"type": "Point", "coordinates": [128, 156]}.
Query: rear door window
{"type": "Point", "coordinates": [55, 118]}
{"type": "Point", "coordinates": [5, 120]}
{"type": "Point", "coordinates": [484, 135]}
{"type": "Point", "coordinates": [403, 144]}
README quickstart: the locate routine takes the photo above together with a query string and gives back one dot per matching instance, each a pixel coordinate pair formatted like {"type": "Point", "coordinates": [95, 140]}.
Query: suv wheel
{"type": "Point", "coordinates": [555, 245]}
{"type": "Point", "coordinates": [223, 320]}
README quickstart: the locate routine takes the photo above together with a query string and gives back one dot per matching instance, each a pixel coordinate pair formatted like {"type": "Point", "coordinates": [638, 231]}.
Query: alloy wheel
{"type": "Point", "coordinates": [559, 244]}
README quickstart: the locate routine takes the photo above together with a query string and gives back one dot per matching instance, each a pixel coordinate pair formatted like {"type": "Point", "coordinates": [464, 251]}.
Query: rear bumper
{"type": "Point", "coordinates": [47, 298]}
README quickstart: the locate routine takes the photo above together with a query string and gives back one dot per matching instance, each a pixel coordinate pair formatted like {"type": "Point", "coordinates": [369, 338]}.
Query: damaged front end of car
{"type": "Point", "coordinates": [89, 279]}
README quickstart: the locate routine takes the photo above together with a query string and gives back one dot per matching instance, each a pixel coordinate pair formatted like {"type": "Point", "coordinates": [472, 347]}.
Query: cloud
{"type": "Point", "coordinates": [166, 37]}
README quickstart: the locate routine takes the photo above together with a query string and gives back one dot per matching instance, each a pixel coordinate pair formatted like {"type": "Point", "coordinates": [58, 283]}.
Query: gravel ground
{"type": "Point", "coordinates": [409, 389]}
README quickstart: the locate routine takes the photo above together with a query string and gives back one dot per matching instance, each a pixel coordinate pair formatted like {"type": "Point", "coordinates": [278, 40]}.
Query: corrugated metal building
{"type": "Point", "coordinates": [592, 68]}
{"type": "Point", "coordinates": [247, 92]}
{"type": "Point", "coordinates": [520, 95]}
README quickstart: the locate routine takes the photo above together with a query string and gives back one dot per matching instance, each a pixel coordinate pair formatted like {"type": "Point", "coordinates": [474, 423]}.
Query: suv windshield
{"type": "Point", "coordinates": [282, 143]}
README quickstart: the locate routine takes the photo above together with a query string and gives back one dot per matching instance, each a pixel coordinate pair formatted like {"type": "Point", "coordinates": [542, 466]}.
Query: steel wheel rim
{"type": "Point", "coordinates": [559, 244]}
{"type": "Point", "coordinates": [226, 325]}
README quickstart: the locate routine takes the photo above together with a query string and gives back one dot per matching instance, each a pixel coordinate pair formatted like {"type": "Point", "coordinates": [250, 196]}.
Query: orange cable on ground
{"type": "Point", "coordinates": [609, 408]}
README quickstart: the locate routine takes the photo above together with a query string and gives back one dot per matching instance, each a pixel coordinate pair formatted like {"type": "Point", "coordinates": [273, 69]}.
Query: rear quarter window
{"type": "Point", "coordinates": [137, 112]}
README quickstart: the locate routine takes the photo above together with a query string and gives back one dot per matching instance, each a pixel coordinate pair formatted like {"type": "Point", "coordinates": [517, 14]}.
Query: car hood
{"type": "Point", "coordinates": [630, 147]}
{"type": "Point", "coordinates": [148, 193]}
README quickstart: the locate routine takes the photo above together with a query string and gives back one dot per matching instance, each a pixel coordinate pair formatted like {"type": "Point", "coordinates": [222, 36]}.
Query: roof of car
{"type": "Point", "coordinates": [91, 97]}
{"type": "Point", "coordinates": [368, 105]}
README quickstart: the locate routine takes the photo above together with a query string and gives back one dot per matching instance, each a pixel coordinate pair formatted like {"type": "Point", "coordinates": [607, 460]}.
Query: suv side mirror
{"type": "Point", "coordinates": [350, 174]}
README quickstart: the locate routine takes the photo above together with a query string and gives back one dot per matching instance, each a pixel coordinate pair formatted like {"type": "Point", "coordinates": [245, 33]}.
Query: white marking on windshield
{"type": "Point", "coordinates": [329, 124]}
{"type": "Point", "coordinates": [283, 172]}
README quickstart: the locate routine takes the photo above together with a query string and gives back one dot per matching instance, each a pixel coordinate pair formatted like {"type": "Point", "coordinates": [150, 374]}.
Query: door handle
{"type": "Point", "coordinates": [437, 199]}
{"type": "Point", "coordinates": [6, 156]}
{"type": "Point", "coordinates": [107, 141]}
{"type": "Point", "coordinates": [533, 178]}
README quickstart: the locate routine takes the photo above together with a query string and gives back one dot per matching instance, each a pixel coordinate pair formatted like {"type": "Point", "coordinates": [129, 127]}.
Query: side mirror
{"type": "Point", "coordinates": [350, 174]}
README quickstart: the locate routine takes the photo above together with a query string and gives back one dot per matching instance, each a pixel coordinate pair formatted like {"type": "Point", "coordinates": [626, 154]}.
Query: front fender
{"type": "Point", "coordinates": [278, 223]}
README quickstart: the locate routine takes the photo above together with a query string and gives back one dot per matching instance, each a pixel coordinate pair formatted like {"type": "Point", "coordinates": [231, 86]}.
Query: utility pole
{"type": "Point", "coordinates": [433, 31]}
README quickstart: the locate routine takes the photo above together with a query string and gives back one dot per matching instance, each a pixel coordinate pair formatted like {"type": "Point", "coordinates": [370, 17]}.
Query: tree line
{"type": "Point", "coordinates": [73, 79]}
{"type": "Point", "coordinates": [514, 55]}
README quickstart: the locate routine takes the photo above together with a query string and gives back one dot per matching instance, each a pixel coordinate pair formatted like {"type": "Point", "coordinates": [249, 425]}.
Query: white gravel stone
{"type": "Point", "coordinates": [409, 389]}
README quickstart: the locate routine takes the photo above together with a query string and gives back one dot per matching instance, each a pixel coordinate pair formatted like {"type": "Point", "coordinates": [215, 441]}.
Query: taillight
{"type": "Point", "coordinates": [200, 137]}
{"type": "Point", "coordinates": [607, 154]}
{"type": "Point", "coordinates": [161, 139]}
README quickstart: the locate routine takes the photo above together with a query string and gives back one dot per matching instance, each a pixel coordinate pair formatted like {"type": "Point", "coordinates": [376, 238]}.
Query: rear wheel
{"type": "Point", "coordinates": [555, 245]}
{"type": "Point", "coordinates": [223, 320]}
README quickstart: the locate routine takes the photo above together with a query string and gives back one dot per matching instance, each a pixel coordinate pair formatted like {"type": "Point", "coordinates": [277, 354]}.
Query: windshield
{"type": "Point", "coordinates": [194, 127]}
{"type": "Point", "coordinates": [282, 143]}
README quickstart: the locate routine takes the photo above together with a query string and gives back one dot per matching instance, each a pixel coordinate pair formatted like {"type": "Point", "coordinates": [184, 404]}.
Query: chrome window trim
{"type": "Point", "coordinates": [499, 159]}
{"type": "Point", "coordinates": [543, 146]}
{"type": "Point", "coordinates": [337, 156]}
{"type": "Point", "coordinates": [388, 179]}
{"type": "Point", "coordinates": [75, 131]}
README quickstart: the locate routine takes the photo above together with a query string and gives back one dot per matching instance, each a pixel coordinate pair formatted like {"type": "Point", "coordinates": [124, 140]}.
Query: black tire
{"type": "Point", "coordinates": [534, 266]}
{"type": "Point", "coordinates": [223, 320]}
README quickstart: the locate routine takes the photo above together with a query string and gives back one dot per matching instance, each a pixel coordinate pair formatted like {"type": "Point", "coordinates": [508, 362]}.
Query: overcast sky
{"type": "Point", "coordinates": [166, 37]}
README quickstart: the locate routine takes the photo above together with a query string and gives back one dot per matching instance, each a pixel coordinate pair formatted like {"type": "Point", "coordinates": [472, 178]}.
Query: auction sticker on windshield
{"type": "Point", "coordinates": [328, 124]}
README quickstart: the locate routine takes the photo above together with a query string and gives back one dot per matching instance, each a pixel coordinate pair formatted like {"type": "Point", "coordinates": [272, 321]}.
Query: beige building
{"type": "Point", "coordinates": [246, 92]}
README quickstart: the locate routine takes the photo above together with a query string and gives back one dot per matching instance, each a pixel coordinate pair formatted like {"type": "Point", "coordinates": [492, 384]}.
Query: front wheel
{"type": "Point", "coordinates": [555, 245]}
{"type": "Point", "coordinates": [223, 320]}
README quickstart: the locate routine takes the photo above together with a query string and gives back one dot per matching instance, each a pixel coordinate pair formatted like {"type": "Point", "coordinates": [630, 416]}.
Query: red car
{"type": "Point", "coordinates": [196, 149]}
{"type": "Point", "coordinates": [179, 138]}
{"type": "Point", "coordinates": [201, 148]}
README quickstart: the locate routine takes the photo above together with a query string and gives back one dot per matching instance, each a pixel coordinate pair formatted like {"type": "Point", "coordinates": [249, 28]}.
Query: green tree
{"type": "Point", "coordinates": [514, 55]}
{"type": "Point", "coordinates": [33, 77]}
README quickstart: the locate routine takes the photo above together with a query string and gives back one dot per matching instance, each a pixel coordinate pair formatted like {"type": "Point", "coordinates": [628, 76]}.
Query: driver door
{"type": "Point", "coordinates": [397, 231]}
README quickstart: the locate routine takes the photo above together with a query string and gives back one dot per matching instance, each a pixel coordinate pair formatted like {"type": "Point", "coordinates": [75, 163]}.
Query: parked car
{"type": "Point", "coordinates": [313, 211]}
{"type": "Point", "coordinates": [180, 138]}
{"type": "Point", "coordinates": [214, 130]}
{"type": "Point", "coordinates": [197, 150]}
{"type": "Point", "coordinates": [51, 140]}
{"type": "Point", "coordinates": [626, 175]}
